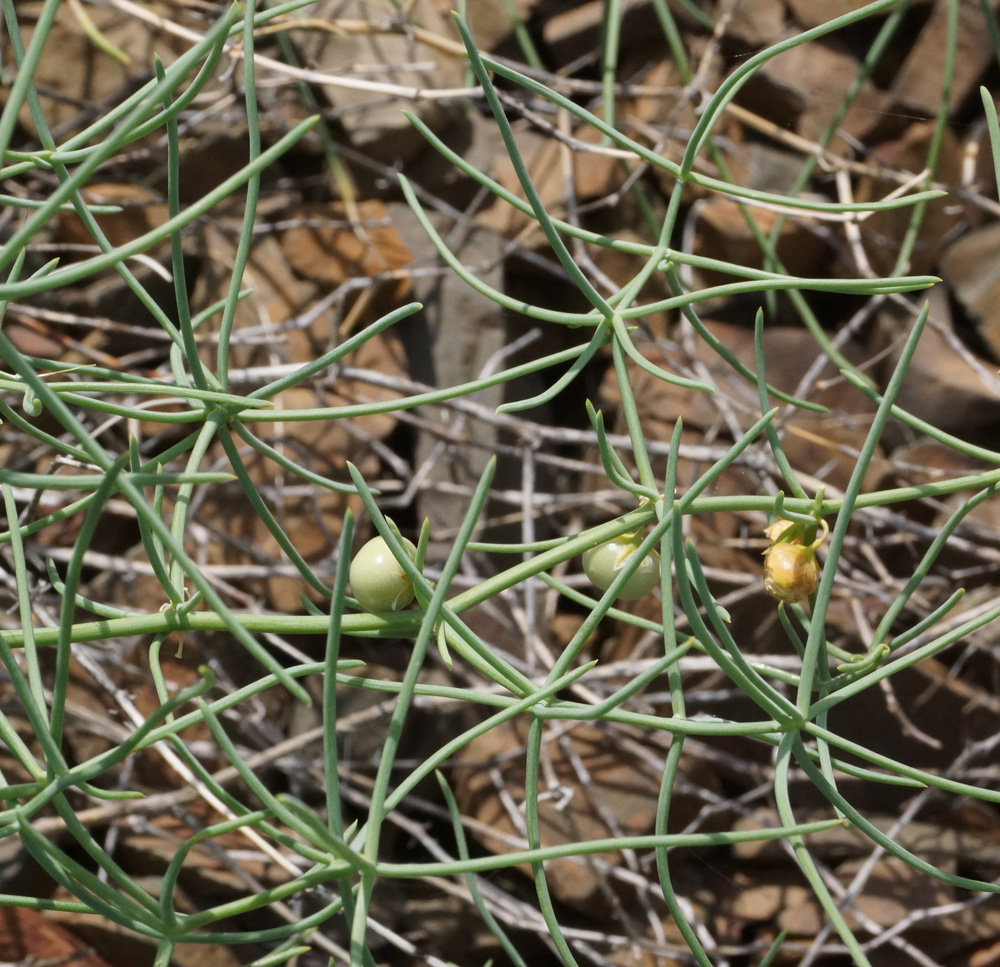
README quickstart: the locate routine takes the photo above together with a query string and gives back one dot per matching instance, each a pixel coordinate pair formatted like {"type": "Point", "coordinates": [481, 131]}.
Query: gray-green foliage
{"type": "Point", "coordinates": [791, 707]}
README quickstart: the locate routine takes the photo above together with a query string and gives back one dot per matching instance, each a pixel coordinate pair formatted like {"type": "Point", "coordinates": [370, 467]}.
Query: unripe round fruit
{"type": "Point", "coordinates": [377, 580]}
{"type": "Point", "coordinates": [603, 563]}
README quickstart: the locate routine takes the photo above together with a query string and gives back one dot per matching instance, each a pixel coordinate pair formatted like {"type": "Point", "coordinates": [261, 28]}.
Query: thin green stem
{"type": "Point", "coordinates": [815, 656]}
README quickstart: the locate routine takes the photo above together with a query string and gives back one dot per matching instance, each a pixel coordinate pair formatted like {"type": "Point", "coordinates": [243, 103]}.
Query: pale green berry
{"type": "Point", "coordinates": [603, 563]}
{"type": "Point", "coordinates": [377, 579]}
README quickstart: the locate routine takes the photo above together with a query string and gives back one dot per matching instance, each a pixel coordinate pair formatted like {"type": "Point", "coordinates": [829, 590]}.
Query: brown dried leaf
{"type": "Point", "coordinates": [621, 787]}
{"type": "Point", "coordinates": [122, 948]}
{"type": "Point", "coordinates": [812, 13]}
{"type": "Point", "coordinates": [803, 89]}
{"type": "Point", "coordinates": [758, 23]}
{"type": "Point", "coordinates": [31, 935]}
{"type": "Point", "coordinates": [917, 85]}
{"type": "Point", "coordinates": [971, 267]}
{"type": "Point", "coordinates": [892, 889]}
{"type": "Point", "coordinates": [327, 249]}
{"type": "Point", "coordinates": [142, 211]}
{"type": "Point", "coordinates": [764, 895]}
{"type": "Point", "coordinates": [723, 233]}
{"type": "Point", "coordinates": [375, 123]}
{"type": "Point", "coordinates": [149, 854]}
{"type": "Point", "coordinates": [943, 384]}
{"type": "Point", "coordinates": [883, 231]}
{"type": "Point", "coordinates": [73, 73]}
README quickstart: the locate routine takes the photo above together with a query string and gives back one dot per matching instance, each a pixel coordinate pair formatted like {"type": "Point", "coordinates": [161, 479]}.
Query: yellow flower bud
{"type": "Point", "coordinates": [791, 571]}
{"type": "Point", "coordinates": [775, 530]}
